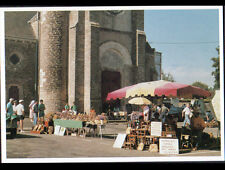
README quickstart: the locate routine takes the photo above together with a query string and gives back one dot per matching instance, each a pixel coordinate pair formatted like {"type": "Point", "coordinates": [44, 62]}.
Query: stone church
{"type": "Point", "coordinates": [66, 56]}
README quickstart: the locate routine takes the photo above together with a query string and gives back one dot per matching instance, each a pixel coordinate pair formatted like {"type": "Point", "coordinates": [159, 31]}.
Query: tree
{"type": "Point", "coordinates": [167, 77]}
{"type": "Point", "coordinates": [216, 72]}
{"type": "Point", "coordinates": [205, 87]}
{"type": "Point", "coordinates": [200, 85]}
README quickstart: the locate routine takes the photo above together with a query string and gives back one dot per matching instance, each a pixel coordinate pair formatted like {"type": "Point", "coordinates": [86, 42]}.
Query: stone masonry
{"type": "Point", "coordinates": [75, 48]}
{"type": "Point", "coordinates": [53, 59]}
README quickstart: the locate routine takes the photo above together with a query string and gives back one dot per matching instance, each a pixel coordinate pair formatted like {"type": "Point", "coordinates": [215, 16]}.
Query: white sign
{"type": "Point", "coordinates": [168, 146]}
{"type": "Point", "coordinates": [62, 131]}
{"type": "Point", "coordinates": [119, 140]}
{"type": "Point", "coordinates": [192, 102]}
{"type": "Point", "coordinates": [56, 130]}
{"type": "Point", "coordinates": [156, 128]}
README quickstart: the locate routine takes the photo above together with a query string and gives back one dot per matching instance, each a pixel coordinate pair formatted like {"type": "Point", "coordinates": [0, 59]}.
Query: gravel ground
{"type": "Point", "coordinates": [28, 145]}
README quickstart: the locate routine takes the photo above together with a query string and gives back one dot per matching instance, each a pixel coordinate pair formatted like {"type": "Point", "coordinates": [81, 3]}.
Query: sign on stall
{"type": "Point", "coordinates": [156, 128]}
{"type": "Point", "coordinates": [168, 146]}
{"type": "Point", "coordinates": [57, 129]}
{"type": "Point", "coordinates": [119, 140]}
{"type": "Point", "coordinates": [62, 131]}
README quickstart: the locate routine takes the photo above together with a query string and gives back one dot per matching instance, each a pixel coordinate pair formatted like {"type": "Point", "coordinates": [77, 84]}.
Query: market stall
{"type": "Point", "coordinates": [145, 134]}
{"type": "Point", "coordinates": [156, 136]}
{"type": "Point", "coordinates": [142, 134]}
{"type": "Point", "coordinates": [61, 123]}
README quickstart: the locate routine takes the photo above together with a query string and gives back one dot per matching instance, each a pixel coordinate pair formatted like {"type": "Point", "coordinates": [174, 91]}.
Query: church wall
{"type": "Point", "coordinates": [128, 37]}
{"type": "Point", "coordinates": [95, 69]}
{"type": "Point", "coordinates": [120, 22]}
{"type": "Point", "coordinates": [70, 67]}
{"type": "Point", "coordinates": [140, 58]}
{"type": "Point", "coordinates": [83, 62]}
{"type": "Point", "coordinates": [73, 19]}
{"type": "Point", "coordinates": [79, 68]}
{"type": "Point", "coordinates": [124, 38]}
{"type": "Point", "coordinates": [103, 32]}
{"type": "Point", "coordinates": [21, 74]}
{"type": "Point", "coordinates": [87, 63]}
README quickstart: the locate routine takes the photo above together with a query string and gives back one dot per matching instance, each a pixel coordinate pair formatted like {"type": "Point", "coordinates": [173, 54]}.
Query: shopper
{"type": "Point", "coordinates": [186, 113]}
{"type": "Point", "coordinates": [74, 108]}
{"type": "Point", "coordinates": [9, 107]}
{"type": "Point", "coordinates": [209, 116]}
{"type": "Point", "coordinates": [155, 113]}
{"type": "Point", "coordinates": [41, 110]}
{"type": "Point", "coordinates": [31, 110]}
{"type": "Point", "coordinates": [146, 112]}
{"type": "Point", "coordinates": [14, 106]}
{"type": "Point", "coordinates": [20, 114]}
{"type": "Point", "coordinates": [164, 111]}
{"type": "Point", "coordinates": [197, 127]}
{"type": "Point", "coordinates": [67, 107]}
{"type": "Point", "coordinates": [35, 112]}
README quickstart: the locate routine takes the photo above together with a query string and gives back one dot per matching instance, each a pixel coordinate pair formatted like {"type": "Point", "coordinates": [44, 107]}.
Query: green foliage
{"type": "Point", "coordinates": [200, 85]}
{"type": "Point", "coordinates": [205, 87]}
{"type": "Point", "coordinates": [167, 77]}
{"type": "Point", "coordinates": [216, 72]}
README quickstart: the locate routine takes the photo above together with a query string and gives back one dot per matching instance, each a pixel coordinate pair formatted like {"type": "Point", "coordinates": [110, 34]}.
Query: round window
{"type": "Point", "coordinates": [14, 59]}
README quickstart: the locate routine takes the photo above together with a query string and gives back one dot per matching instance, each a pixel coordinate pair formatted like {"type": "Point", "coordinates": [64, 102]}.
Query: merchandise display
{"type": "Point", "coordinates": [75, 124]}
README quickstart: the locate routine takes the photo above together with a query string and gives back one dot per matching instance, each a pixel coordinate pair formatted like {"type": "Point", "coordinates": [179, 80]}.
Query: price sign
{"type": "Point", "coordinates": [119, 140]}
{"type": "Point", "coordinates": [57, 129]}
{"type": "Point", "coordinates": [168, 146]}
{"type": "Point", "coordinates": [156, 128]}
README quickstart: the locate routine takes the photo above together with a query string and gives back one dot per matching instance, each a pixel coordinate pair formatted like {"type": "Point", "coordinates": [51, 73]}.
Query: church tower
{"type": "Point", "coordinates": [53, 59]}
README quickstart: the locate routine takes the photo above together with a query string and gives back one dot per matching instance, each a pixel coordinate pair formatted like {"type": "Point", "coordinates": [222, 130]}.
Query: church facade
{"type": "Point", "coordinates": [66, 56]}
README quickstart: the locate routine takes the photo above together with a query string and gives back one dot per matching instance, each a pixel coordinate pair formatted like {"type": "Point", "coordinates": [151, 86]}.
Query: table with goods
{"type": "Point", "coordinates": [146, 135]}
{"type": "Point", "coordinates": [68, 123]}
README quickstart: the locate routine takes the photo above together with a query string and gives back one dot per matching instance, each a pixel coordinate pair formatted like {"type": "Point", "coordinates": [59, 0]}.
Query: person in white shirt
{"type": "Point", "coordinates": [20, 114]}
{"type": "Point", "coordinates": [31, 110]}
{"type": "Point", "coordinates": [186, 113]}
{"type": "Point", "coordinates": [14, 106]}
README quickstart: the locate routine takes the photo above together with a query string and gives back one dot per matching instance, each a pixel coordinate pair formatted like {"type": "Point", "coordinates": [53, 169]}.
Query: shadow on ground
{"type": "Point", "coordinates": [8, 136]}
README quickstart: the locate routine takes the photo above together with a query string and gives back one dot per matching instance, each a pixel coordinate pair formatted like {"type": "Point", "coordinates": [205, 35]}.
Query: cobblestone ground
{"type": "Point", "coordinates": [28, 145]}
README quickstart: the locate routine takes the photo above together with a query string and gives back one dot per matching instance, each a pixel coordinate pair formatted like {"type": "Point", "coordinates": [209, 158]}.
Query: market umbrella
{"type": "Point", "coordinates": [120, 93]}
{"type": "Point", "coordinates": [166, 88]}
{"type": "Point", "coordinates": [158, 88]}
{"type": "Point", "coordinates": [139, 101]}
{"type": "Point", "coordinates": [145, 89]}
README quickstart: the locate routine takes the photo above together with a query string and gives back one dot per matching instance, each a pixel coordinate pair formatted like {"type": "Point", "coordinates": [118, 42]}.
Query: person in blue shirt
{"type": "Point", "coordinates": [209, 116]}
{"type": "Point", "coordinates": [9, 107]}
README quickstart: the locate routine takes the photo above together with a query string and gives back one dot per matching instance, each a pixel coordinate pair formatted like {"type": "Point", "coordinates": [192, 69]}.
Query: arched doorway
{"type": "Point", "coordinates": [111, 80]}
{"type": "Point", "coordinates": [14, 92]}
{"type": "Point", "coordinates": [114, 59]}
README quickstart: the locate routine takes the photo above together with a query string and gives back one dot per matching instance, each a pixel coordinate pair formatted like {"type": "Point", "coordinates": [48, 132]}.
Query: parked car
{"type": "Point", "coordinates": [11, 125]}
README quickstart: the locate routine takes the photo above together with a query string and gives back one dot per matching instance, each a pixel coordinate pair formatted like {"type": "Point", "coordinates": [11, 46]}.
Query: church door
{"type": "Point", "coordinates": [14, 92]}
{"type": "Point", "coordinates": [111, 80]}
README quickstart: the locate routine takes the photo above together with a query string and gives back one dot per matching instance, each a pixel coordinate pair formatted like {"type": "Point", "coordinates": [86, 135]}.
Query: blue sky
{"type": "Point", "coordinates": [172, 33]}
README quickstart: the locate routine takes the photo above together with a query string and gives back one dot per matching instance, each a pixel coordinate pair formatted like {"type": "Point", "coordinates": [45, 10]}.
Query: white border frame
{"type": "Point", "coordinates": [107, 159]}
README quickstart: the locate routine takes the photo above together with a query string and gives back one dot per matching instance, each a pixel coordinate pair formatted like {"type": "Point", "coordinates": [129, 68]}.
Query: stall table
{"type": "Point", "coordinates": [71, 124]}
